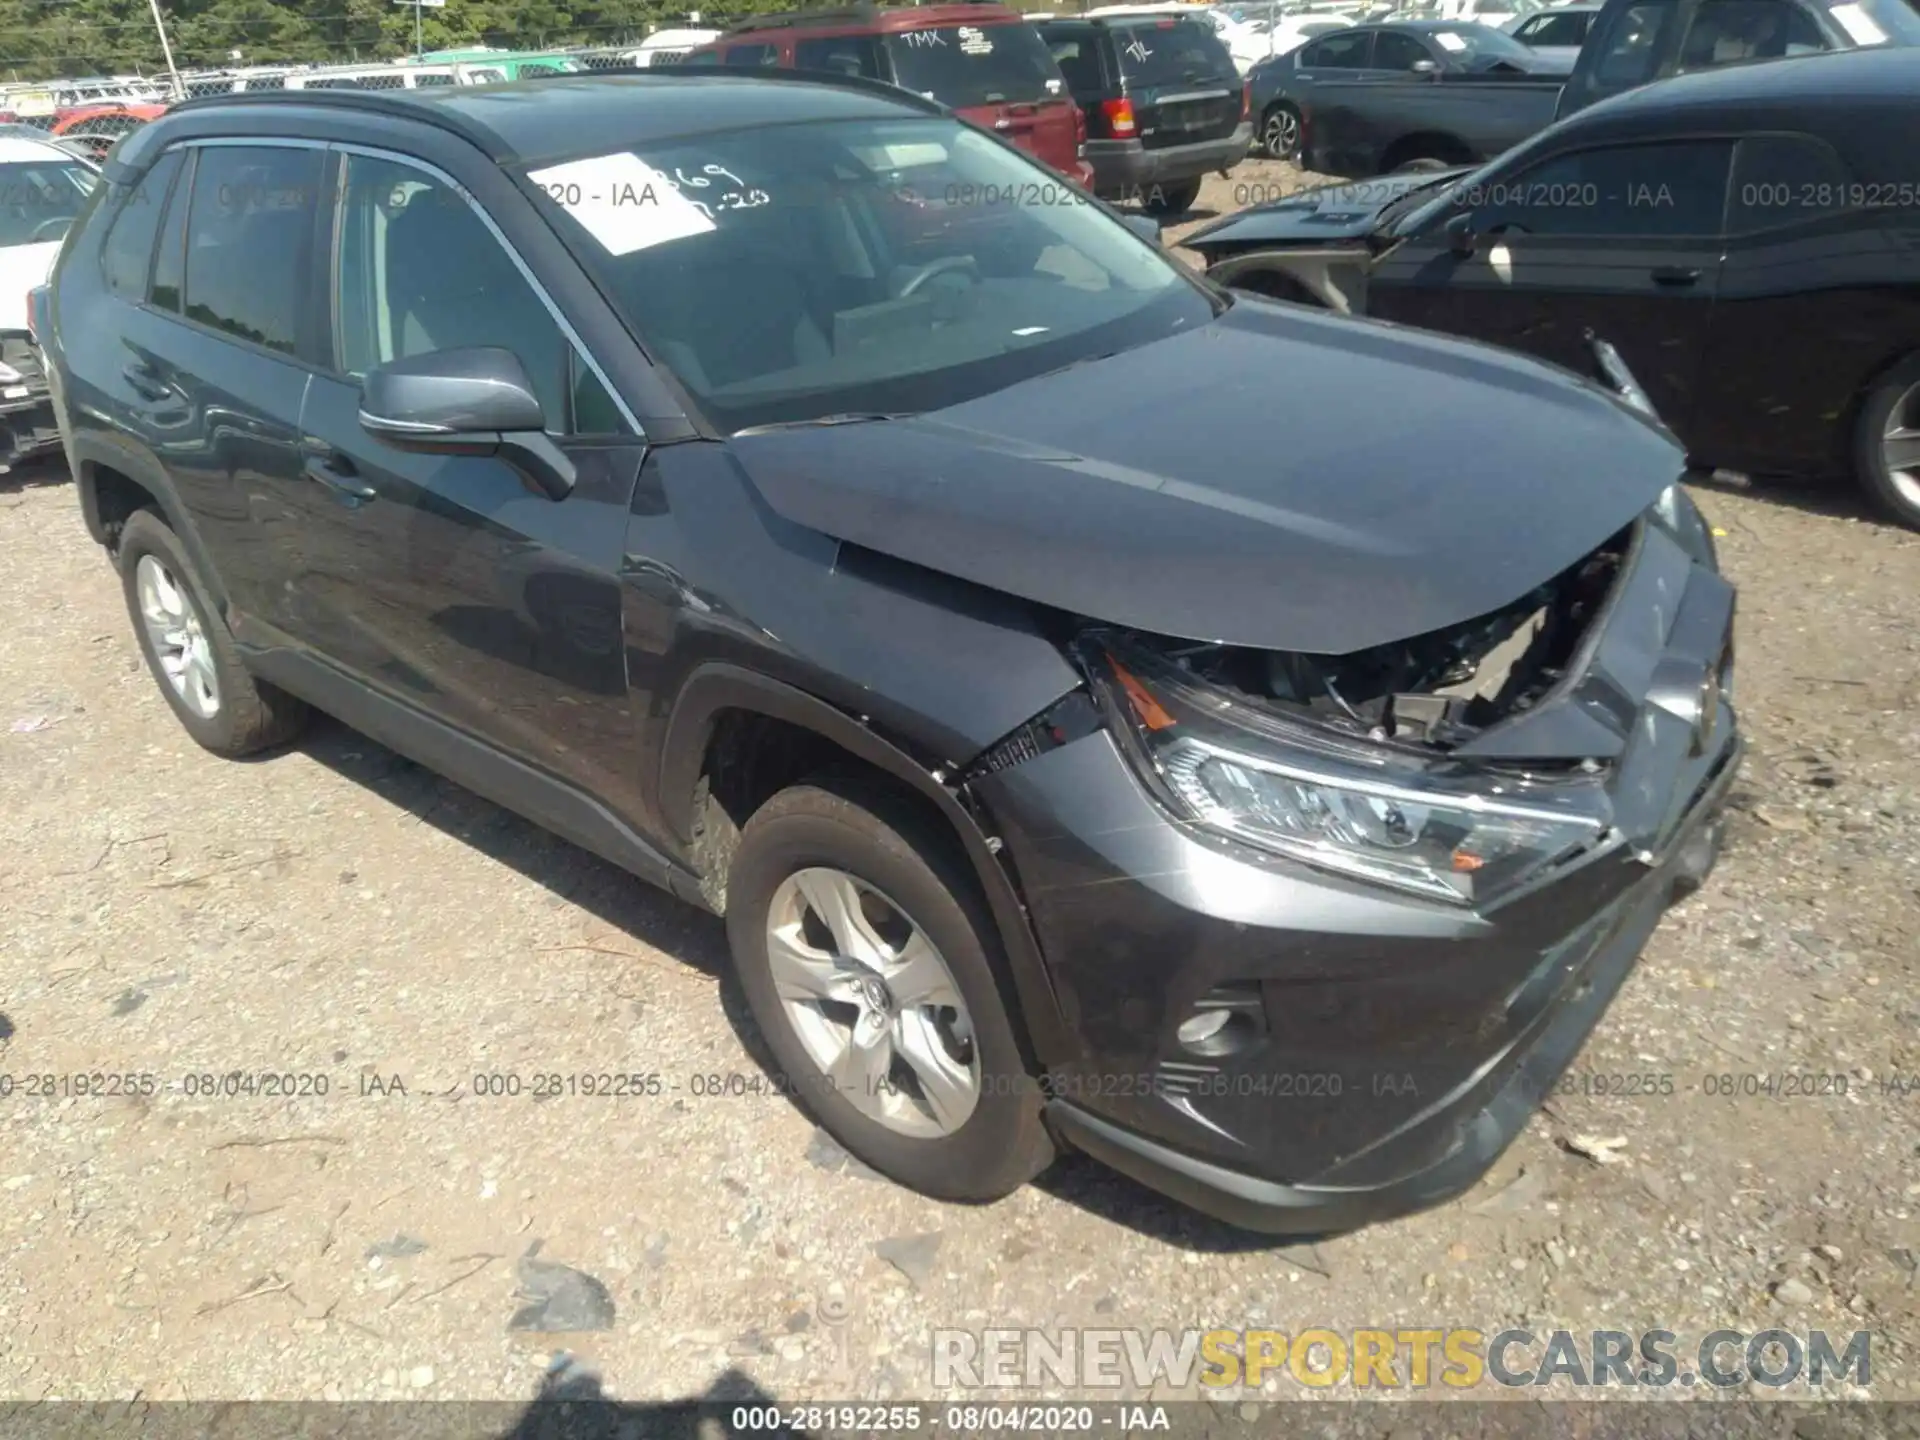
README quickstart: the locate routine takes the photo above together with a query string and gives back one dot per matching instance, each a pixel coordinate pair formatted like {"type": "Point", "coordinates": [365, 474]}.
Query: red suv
{"type": "Point", "coordinates": [983, 61]}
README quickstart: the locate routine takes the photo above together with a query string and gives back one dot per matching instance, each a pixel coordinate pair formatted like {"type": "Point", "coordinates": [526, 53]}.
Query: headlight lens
{"type": "Point", "coordinates": [1370, 811]}
{"type": "Point", "coordinates": [9, 375]}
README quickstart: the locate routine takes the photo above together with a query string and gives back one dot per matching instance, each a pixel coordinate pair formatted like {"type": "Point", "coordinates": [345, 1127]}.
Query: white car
{"type": "Point", "coordinates": [42, 190]}
{"type": "Point", "coordinates": [669, 47]}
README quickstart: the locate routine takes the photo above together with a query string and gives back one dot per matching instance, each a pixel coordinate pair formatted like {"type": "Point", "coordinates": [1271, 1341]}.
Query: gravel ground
{"type": "Point", "coordinates": [337, 911]}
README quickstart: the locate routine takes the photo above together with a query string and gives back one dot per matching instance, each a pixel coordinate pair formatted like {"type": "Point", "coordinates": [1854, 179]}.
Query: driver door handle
{"type": "Point", "coordinates": [1675, 276]}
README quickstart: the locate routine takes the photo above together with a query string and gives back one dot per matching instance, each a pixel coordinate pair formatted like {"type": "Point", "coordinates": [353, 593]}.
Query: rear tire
{"type": "Point", "coordinates": [833, 838]}
{"type": "Point", "coordinates": [1886, 434]}
{"type": "Point", "coordinates": [1175, 199]}
{"type": "Point", "coordinates": [1280, 132]}
{"type": "Point", "coordinates": [1420, 166]}
{"type": "Point", "coordinates": [189, 650]}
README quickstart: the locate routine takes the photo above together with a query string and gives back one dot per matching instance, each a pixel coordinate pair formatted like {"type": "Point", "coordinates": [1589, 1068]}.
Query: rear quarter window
{"type": "Point", "coordinates": [1630, 48]}
{"type": "Point", "coordinates": [127, 256]}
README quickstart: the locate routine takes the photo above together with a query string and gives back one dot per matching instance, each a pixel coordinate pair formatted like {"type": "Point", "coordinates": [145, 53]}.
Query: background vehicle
{"type": "Point", "coordinates": [491, 67]}
{"type": "Point", "coordinates": [1745, 238]}
{"type": "Point", "coordinates": [669, 47]}
{"type": "Point", "coordinates": [1558, 32]}
{"type": "Point", "coordinates": [1163, 103]}
{"type": "Point", "coordinates": [806, 580]}
{"type": "Point", "coordinates": [982, 61]}
{"type": "Point", "coordinates": [43, 189]}
{"type": "Point", "coordinates": [1360, 126]}
{"type": "Point", "coordinates": [1382, 96]}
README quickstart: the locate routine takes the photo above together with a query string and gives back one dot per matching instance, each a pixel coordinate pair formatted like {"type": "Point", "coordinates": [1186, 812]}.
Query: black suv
{"type": "Point", "coordinates": [1164, 104]}
{"type": "Point", "coordinates": [1273, 820]}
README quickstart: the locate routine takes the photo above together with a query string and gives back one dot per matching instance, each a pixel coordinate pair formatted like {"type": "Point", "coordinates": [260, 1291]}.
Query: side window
{"type": "Point", "coordinates": [1078, 56]}
{"type": "Point", "coordinates": [250, 241]}
{"type": "Point", "coordinates": [170, 259]}
{"type": "Point", "coordinates": [842, 54]}
{"type": "Point", "coordinates": [1640, 191]}
{"type": "Point", "coordinates": [1725, 32]}
{"type": "Point", "coordinates": [418, 270]}
{"type": "Point", "coordinates": [1393, 51]}
{"type": "Point", "coordinates": [753, 55]}
{"type": "Point", "coordinates": [1556, 29]}
{"type": "Point", "coordinates": [1783, 179]}
{"type": "Point", "coordinates": [1633, 46]}
{"type": "Point", "coordinates": [1337, 52]}
{"type": "Point", "coordinates": [127, 256]}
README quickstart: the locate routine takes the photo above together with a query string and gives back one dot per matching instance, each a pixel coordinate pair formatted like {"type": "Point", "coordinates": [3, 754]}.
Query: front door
{"type": "Point", "coordinates": [449, 582]}
{"type": "Point", "coordinates": [1621, 242]}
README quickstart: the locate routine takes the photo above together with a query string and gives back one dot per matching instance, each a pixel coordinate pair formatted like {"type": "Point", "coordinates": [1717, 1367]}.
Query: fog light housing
{"type": "Point", "coordinates": [1196, 1030]}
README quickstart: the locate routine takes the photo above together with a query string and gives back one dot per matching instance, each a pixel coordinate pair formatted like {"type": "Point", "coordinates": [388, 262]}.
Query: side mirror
{"type": "Point", "coordinates": [465, 402]}
{"type": "Point", "coordinates": [1145, 226]}
{"type": "Point", "coordinates": [1427, 68]}
{"type": "Point", "coordinates": [1459, 232]}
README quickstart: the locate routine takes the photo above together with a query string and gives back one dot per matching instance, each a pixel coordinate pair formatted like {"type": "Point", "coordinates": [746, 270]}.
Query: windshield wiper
{"type": "Point", "coordinates": [848, 417]}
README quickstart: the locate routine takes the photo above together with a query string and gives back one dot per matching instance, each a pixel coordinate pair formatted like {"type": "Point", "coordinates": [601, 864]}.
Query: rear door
{"type": "Point", "coordinates": [212, 370]}
{"type": "Point", "coordinates": [1805, 314]}
{"type": "Point", "coordinates": [448, 582]}
{"type": "Point", "coordinates": [1620, 240]}
{"type": "Point", "coordinates": [1183, 83]}
{"type": "Point", "coordinates": [999, 75]}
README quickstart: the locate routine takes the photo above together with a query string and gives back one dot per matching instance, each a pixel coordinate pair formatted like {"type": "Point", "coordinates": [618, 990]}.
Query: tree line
{"type": "Point", "coordinates": [45, 39]}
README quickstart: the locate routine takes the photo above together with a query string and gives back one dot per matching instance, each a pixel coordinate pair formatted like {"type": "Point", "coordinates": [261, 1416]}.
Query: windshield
{"type": "Point", "coordinates": [800, 271]}
{"type": "Point", "coordinates": [1169, 50]}
{"type": "Point", "coordinates": [39, 200]}
{"type": "Point", "coordinates": [1470, 43]}
{"type": "Point", "coordinates": [963, 65]}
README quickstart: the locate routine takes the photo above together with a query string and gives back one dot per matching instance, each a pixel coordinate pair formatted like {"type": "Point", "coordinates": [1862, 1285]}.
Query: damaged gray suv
{"type": "Point", "coordinates": [752, 479]}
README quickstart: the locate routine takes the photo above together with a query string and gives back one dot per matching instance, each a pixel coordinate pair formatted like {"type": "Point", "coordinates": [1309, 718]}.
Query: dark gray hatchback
{"type": "Point", "coordinates": [1267, 807]}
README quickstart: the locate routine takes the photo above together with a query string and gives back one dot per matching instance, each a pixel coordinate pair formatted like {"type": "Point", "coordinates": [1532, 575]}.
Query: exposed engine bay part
{"type": "Point", "coordinates": [1335, 279]}
{"type": "Point", "coordinates": [1438, 689]}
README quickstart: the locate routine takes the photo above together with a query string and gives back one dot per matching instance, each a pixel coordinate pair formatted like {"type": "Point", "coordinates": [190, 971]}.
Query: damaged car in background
{"type": "Point", "coordinates": [1269, 805]}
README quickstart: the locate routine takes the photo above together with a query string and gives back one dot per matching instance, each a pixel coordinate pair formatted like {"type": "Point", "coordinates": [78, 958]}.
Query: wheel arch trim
{"type": "Point", "coordinates": [716, 687]}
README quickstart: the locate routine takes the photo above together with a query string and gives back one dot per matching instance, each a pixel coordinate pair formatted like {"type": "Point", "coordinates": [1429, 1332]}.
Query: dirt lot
{"type": "Point", "coordinates": [335, 911]}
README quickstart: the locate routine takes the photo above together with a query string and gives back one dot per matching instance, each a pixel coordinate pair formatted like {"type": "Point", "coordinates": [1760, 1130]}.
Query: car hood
{"type": "Point", "coordinates": [1279, 478]}
{"type": "Point", "coordinates": [1326, 213]}
{"type": "Point", "coordinates": [21, 268]}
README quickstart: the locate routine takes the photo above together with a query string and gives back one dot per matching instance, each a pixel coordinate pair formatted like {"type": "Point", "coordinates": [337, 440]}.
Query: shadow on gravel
{"type": "Point", "coordinates": [628, 906]}
{"type": "Point", "coordinates": [1837, 499]}
{"type": "Point", "coordinates": [35, 474]}
{"type": "Point", "coordinates": [572, 1406]}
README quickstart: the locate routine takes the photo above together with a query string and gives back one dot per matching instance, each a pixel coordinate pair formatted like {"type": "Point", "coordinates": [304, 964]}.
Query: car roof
{"type": "Point", "coordinates": [21, 149]}
{"type": "Point", "coordinates": [1886, 73]}
{"type": "Point", "coordinates": [874, 18]}
{"type": "Point", "coordinates": [574, 111]}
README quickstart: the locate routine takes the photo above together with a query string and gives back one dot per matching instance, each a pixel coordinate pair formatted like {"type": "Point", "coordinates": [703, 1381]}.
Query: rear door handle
{"type": "Point", "coordinates": [331, 468]}
{"type": "Point", "coordinates": [1675, 275]}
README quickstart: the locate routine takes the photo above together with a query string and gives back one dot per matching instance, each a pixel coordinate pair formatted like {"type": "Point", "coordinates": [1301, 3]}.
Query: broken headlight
{"type": "Point", "coordinates": [1373, 811]}
{"type": "Point", "coordinates": [1675, 513]}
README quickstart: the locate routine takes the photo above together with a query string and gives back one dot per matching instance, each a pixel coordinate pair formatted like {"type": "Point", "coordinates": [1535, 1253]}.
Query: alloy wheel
{"type": "Point", "coordinates": [1900, 447]}
{"type": "Point", "coordinates": [178, 638]}
{"type": "Point", "coordinates": [873, 1002]}
{"type": "Point", "coordinates": [1280, 134]}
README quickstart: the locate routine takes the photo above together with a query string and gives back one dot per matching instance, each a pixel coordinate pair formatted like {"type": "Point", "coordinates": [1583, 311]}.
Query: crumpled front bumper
{"type": "Point", "coordinates": [1388, 1047]}
{"type": "Point", "coordinates": [28, 427]}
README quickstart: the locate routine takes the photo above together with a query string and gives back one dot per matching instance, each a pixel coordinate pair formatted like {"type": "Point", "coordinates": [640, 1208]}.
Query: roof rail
{"type": "Point", "coordinates": [856, 14]}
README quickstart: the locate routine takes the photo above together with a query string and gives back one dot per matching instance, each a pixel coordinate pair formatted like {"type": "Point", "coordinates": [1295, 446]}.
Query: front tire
{"type": "Point", "coordinates": [871, 966]}
{"type": "Point", "coordinates": [1886, 446]}
{"type": "Point", "coordinates": [190, 651]}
